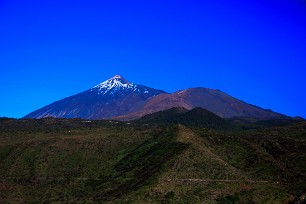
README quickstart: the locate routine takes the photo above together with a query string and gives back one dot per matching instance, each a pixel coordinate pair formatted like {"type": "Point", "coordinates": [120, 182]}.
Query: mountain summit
{"type": "Point", "coordinates": [117, 98]}
{"type": "Point", "coordinates": [113, 97]}
{"type": "Point", "coordinates": [118, 85]}
{"type": "Point", "coordinates": [113, 85]}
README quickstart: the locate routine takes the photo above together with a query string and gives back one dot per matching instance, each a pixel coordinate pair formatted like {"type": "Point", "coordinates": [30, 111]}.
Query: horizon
{"type": "Point", "coordinates": [253, 51]}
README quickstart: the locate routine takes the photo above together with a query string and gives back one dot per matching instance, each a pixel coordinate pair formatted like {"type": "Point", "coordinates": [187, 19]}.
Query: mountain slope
{"type": "Point", "coordinates": [214, 101]}
{"type": "Point", "coordinates": [113, 97]}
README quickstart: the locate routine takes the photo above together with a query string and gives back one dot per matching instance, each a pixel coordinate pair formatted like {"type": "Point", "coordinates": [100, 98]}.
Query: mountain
{"type": "Point", "coordinates": [214, 101]}
{"type": "Point", "coordinates": [118, 99]}
{"type": "Point", "coordinates": [115, 96]}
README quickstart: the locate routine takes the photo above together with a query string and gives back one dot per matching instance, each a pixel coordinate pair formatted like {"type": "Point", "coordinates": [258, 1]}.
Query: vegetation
{"type": "Point", "coordinates": [197, 117]}
{"type": "Point", "coordinates": [72, 160]}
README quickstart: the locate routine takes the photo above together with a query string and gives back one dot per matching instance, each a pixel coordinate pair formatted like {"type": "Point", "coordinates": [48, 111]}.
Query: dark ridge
{"type": "Point", "coordinates": [196, 117]}
{"type": "Point", "coordinates": [163, 116]}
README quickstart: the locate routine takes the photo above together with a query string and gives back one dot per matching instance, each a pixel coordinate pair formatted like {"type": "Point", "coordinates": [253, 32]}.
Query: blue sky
{"type": "Point", "coordinates": [252, 50]}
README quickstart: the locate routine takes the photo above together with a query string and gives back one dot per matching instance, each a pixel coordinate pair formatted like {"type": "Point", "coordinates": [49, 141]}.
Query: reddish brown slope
{"type": "Point", "coordinates": [215, 101]}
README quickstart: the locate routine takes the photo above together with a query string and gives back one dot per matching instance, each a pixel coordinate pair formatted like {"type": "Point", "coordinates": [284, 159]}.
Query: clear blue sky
{"type": "Point", "coordinates": [254, 50]}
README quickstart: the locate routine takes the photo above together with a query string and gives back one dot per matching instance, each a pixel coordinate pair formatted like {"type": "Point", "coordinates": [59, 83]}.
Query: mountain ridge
{"type": "Point", "coordinates": [117, 98]}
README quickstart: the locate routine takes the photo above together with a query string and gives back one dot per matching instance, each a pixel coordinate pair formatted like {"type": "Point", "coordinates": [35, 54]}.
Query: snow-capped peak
{"type": "Point", "coordinates": [119, 85]}
{"type": "Point", "coordinates": [114, 84]}
{"type": "Point", "coordinates": [117, 78]}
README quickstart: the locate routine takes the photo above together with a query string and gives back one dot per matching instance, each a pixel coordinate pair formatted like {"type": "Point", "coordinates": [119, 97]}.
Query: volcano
{"type": "Point", "coordinates": [113, 97]}
{"type": "Point", "coordinates": [117, 98]}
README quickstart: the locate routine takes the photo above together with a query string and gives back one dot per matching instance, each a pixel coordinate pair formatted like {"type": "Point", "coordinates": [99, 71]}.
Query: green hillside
{"type": "Point", "coordinates": [71, 160]}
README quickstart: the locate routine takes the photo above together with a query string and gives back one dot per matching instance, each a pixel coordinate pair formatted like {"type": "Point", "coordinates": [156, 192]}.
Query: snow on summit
{"type": "Point", "coordinates": [117, 84]}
